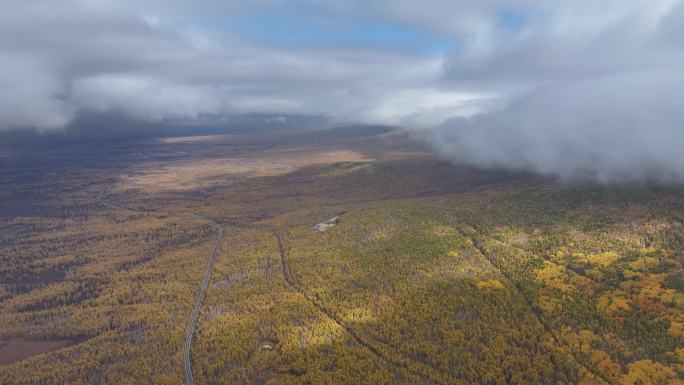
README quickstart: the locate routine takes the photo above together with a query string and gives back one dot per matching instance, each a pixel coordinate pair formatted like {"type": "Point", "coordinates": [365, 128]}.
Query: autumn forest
{"type": "Point", "coordinates": [336, 256]}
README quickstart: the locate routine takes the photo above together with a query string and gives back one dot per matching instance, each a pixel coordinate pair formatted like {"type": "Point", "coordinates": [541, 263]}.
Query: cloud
{"type": "Point", "coordinates": [157, 60]}
{"type": "Point", "coordinates": [616, 129]}
{"type": "Point", "coordinates": [598, 99]}
{"type": "Point", "coordinates": [568, 88]}
{"type": "Point", "coordinates": [142, 98]}
{"type": "Point", "coordinates": [30, 98]}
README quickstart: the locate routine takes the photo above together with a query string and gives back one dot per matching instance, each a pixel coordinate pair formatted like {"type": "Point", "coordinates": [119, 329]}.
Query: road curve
{"type": "Point", "coordinates": [187, 366]}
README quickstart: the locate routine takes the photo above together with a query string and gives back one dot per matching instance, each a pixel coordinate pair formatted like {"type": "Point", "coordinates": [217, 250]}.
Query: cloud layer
{"type": "Point", "coordinates": [568, 88]}
{"type": "Point", "coordinates": [614, 129]}
{"type": "Point", "coordinates": [597, 97]}
{"type": "Point", "coordinates": [155, 60]}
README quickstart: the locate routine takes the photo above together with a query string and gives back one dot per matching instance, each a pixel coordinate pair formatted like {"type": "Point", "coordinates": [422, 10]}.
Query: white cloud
{"type": "Point", "coordinates": [142, 98]}
{"type": "Point", "coordinates": [597, 97]}
{"type": "Point", "coordinates": [30, 98]}
{"type": "Point", "coordinates": [155, 60]}
{"type": "Point", "coordinates": [422, 107]}
{"type": "Point", "coordinates": [622, 128]}
{"type": "Point", "coordinates": [569, 88]}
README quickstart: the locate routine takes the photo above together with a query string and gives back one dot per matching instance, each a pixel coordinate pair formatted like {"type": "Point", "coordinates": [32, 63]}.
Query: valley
{"type": "Point", "coordinates": [331, 256]}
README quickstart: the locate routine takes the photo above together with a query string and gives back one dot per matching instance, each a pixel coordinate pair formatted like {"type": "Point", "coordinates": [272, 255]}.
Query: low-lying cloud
{"type": "Point", "coordinates": [569, 88]}
{"type": "Point", "coordinates": [615, 129]}
{"type": "Point", "coordinates": [600, 102]}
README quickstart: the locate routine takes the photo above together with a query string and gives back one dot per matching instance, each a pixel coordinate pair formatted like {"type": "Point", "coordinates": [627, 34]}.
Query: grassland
{"type": "Point", "coordinates": [435, 274]}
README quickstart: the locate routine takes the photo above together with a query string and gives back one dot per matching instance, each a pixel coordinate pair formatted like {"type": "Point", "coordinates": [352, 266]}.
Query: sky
{"type": "Point", "coordinates": [568, 88]}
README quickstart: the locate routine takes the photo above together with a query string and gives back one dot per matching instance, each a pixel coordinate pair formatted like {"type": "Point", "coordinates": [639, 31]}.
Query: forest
{"type": "Point", "coordinates": [432, 273]}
